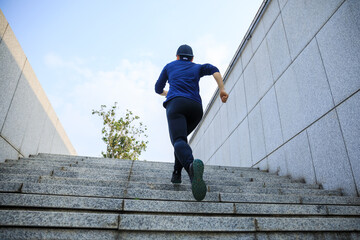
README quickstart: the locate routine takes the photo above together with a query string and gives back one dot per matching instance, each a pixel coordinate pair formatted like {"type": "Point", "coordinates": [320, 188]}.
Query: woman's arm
{"type": "Point", "coordinates": [219, 80]}
{"type": "Point", "coordinates": [161, 82]}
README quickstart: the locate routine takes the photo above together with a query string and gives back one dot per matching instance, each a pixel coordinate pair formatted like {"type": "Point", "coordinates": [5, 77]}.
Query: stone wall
{"type": "Point", "coordinates": [294, 97]}
{"type": "Point", "coordinates": [28, 123]}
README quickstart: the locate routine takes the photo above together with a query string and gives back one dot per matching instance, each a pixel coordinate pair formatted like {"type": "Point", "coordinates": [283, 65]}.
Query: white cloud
{"type": "Point", "coordinates": [77, 64]}
{"type": "Point", "coordinates": [53, 60]}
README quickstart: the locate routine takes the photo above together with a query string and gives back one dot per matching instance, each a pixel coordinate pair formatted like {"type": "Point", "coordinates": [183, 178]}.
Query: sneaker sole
{"type": "Point", "coordinates": [198, 185]}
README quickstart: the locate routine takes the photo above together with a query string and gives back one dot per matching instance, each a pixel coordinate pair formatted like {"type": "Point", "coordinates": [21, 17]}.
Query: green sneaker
{"type": "Point", "coordinates": [198, 185]}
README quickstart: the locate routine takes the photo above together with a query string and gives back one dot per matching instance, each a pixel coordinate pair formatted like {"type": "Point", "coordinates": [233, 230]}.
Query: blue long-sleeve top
{"type": "Point", "coordinates": [183, 77]}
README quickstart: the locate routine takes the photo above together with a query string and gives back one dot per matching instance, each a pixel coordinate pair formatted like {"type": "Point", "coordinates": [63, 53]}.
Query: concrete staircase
{"type": "Point", "coordinates": [66, 197]}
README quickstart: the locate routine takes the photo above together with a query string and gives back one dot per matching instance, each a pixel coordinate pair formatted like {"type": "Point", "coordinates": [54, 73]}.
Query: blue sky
{"type": "Point", "coordinates": [89, 53]}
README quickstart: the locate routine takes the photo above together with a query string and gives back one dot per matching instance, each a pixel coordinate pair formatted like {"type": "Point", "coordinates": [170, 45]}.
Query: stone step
{"type": "Point", "coordinates": [151, 164]}
{"type": "Point", "coordinates": [170, 166]}
{"type": "Point", "coordinates": [60, 202]}
{"type": "Point", "coordinates": [76, 234]}
{"type": "Point", "coordinates": [90, 175]}
{"type": "Point", "coordinates": [138, 169]}
{"type": "Point", "coordinates": [73, 190]}
{"type": "Point", "coordinates": [97, 161]}
{"type": "Point", "coordinates": [10, 186]}
{"type": "Point", "coordinates": [55, 157]}
{"type": "Point", "coordinates": [207, 172]}
{"type": "Point", "coordinates": [240, 198]}
{"type": "Point", "coordinates": [236, 188]}
{"type": "Point", "coordinates": [58, 219]}
{"type": "Point", "coordinates": [66, 164]}
{"type": "Point", "coordinates": [152, 179]}
{"type": "Point", "coordinates": [19, 178]}
{"type": "Point", "coordinates": [212, 181]}
{"type": "Point", "coordinates": [140, 193]}
{"type": "Point", "coordinates": [158, 186]}
{"type": "Point", "coordinates": [187, 187]}
{"type": "Point", "coordinates": [270, 198]}
{"type": "Point", "coordinates": [25, 171]}
{"type": "Point", "coordinates": [143, 222]}
{"type": "Point", "coordinates": [23, 233]}
{"type": "Point", "coordinates": [215, 177]}
{"type": "Point", "coordinates": [65, 168]}
{"type": "Point", "coordinates": [146, 222]}
{"type": "Point", "coordinates": [142, 174]}
{"type": "Point", "coordinates": [149, 206]}
{"type": "Point", "coordinates": [82, 182]}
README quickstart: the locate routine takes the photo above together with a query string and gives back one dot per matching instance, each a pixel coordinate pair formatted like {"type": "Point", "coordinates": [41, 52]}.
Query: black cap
{"type": "Point", "coordinates": [185, 50]}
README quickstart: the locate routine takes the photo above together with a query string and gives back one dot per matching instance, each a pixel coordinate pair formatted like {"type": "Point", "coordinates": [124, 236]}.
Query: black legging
{"type": "Point", "coordinates": [183, 116]}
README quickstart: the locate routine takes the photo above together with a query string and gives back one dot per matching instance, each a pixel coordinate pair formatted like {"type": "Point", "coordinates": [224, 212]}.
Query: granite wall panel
{"type": "Point", "coordinates": [303, 92]}
{"type": "Point", "coordinates": [258, 36]}
{"type": "Point", "coordinates": [234, 149]}
{"type": "Point", "coordinates": [48, 132]}
{"type": "Point", "coordinates": [271, 121]}
{"type": "Point", "coordinates": [224, 127]}
{"type": "Point", "coordinates": [277, 162]}
{"type": "Point", "coordinates": [331, 161]}
{"type": "Point", "coordinates": [264, 75]}
{"type": "Point", "coordinates": [232, 114]}
{"type": "Point", "coordinates": [243, 143]}
{"type": "Point", "coordinates": [278, 48]}
{"type": "Point", "coordinates": [247, 54]}
{"type": "Point", "coordinates": [19, 113]}
{"type": "Point", "coordinates": [256, 135]}
{"type": "Point", "coordinates": [341, 30]}
{"type": "Point", "coordinates": [349, 115]}
{"type": "Point", "coordinates": [303, 19]}
{"type": "Point", "coordinates": [271, 13]}
{"type": "Point", "coordinates": [251, 88]}
{"type": "Point", "coordinates": [234, 75]}
{"type": "Point", "coordinates": [282, 3]}
{"type": "Point", "coordinates": [240, 99]}
{"type": "Point", "coordinates": [7, 152]}
{"type": "Point", "coordinates": [225, 153]}
{"type": "Point", "coordinates": [299, 159]}
{"type": "Point", "coordinates": [12, 61]}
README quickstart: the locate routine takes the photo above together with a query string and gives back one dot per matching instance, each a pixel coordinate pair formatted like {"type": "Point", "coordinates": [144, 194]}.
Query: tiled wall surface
{"type": "Point", "coordinates": [294, 104]}
{"type": "Point", "coordinates": [28, 123]}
